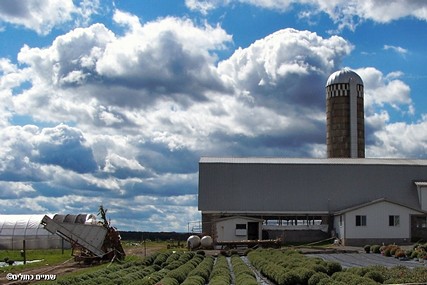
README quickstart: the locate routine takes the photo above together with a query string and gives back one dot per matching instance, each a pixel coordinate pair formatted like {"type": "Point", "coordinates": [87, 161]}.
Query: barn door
{"type": "Point", "coordinates": [253, 230]}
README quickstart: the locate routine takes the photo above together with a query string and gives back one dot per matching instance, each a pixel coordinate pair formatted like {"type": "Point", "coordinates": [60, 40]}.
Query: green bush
{"type": "Point", "coordinates": [220, 273]}
{"type": "Point", "coordinates": [332, 267]}
{"type": "Point", "coordinates": [330, 282]}
{"type": "Point", "coordinates": [304, 274]}
{"type": "Point", "coordinates": [367, 248]}
{"type": "Point", "coordinates": [375, 248]}
{"type": "Point", "coordinates": [168, 281]}
{"type": "Point", "coordinates": [243, 274]}
{"type": "Point", "coordinates": [361, 271]}
{"type": "Point", "coordinates": [375, 275]}
{"type": "Point", "coordinates": [387, 252]}
{"type": "Point", "coordinates": [161, 258]}
{"type": "Point", "coordinates": [194, 280]}
{"type": "Point", "coordinates": [319, 268]}
{"type": "Point", "coordinates": [204, 269]}
{"type": "Point", "coordinates": [352, 279]}
{"type": "Point", "coordinates": [316, 277]}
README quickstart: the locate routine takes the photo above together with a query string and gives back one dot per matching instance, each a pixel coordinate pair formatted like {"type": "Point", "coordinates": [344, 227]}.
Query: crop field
{"type": "Point", "coordinates": [261, 266]}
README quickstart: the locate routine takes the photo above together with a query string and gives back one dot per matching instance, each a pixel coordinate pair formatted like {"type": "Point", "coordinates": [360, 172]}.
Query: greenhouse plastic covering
{"type": "Point", "coordinates": [14, 229]}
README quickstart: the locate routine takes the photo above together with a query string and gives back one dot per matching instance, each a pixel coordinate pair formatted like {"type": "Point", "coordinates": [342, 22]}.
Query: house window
{"type": "Point", "coordinates": [360, 221]}
{"type": "Point", "coordinates": [393, 221]}
{"type": "Point", "coordinates": [240, 226]}
{"type": "Point", "coordinates": [240, 229]}
{"type": "Point", "coordinates": [341, 221]}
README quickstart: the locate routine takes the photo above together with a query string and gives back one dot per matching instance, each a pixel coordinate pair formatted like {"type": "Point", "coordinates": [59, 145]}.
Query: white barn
{"type": "Point", "coordinates": [360, 201]}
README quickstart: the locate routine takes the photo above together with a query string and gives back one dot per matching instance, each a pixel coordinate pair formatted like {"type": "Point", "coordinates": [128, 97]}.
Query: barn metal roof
{"type": "Point", "coordinates": [283, 160]}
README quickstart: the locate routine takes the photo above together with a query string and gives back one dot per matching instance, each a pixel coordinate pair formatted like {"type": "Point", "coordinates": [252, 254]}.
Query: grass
{"type": "Point", "coordinates": [48, 257]}
{"type": "Point", "coordinates": [55, 256]}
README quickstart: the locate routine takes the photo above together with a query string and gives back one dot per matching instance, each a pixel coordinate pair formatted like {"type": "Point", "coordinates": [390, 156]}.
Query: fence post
{"type": "Point", "coordinates": [24, 253]}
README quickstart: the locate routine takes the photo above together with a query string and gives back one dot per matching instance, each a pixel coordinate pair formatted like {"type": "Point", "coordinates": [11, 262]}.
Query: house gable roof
{"type": "Point", "coordinates": [351, 209]}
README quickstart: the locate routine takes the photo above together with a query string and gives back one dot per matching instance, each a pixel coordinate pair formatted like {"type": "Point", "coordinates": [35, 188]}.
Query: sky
{"type": "Point", "coordinates": [114, 102]}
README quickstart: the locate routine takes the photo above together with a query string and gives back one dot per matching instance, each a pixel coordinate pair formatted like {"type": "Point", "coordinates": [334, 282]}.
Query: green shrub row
{"type": "Point", "coordinates": [178, 260]}
{"type": "Point", "coordinates": [194, 280]}
{"type": "Point", "coordinates": [243, 275]}
{"type": "Point", "coordinates": [203, 270]}
{"type": "Point", "coordinates": [127, 273]}
{"type": "Point", "coordinates": [419, 251]}
{"type": "Point", "coordinates": [180, 273]}
{"type": "Point", "coordinates": [221, 272]}
{"type": "Point", "coordinates": [173, 257]}
{"type": "Point", "coordinates": [394, 275]}
{"type": "Point", "coordinates": [161, 258]}
{"type": "Point", "coordinates": [149, 260]}
{"type": "Point", "coordinates": [290, 267]}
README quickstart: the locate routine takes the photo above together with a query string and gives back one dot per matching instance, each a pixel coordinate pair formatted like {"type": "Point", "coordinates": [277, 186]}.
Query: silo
{"type": "Point", "coordinates": [345, 135]}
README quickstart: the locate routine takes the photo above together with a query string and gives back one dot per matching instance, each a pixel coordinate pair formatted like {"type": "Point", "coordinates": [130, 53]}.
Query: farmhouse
{"type": "Point", "coordinates": [356, 199]}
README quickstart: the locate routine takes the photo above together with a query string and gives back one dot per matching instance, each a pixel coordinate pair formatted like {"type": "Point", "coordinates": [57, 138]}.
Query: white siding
{"type": "Point", "coordinates": [226, 229]}
{"type": "Point", "coordinates": [377, 221]}
{"type": "Point", "coordinates": [422, 196]}
{"type": "Point", "coordinates": [339, 227]}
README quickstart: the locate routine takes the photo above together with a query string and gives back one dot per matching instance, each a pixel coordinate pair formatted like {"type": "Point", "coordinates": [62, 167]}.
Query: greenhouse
{"type": "Point", "coordinates": [14, 229]}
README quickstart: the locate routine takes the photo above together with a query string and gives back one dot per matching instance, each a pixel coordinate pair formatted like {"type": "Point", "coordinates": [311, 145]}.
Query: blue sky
{"type": "Point", "coordinates": [114, 102]}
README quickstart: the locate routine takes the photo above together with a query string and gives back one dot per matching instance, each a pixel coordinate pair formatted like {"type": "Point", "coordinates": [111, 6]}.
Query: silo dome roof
{"type": "Point", "coordinates": [344, 76]}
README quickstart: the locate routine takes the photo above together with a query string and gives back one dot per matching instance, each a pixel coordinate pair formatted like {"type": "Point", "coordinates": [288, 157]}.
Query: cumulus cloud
{"type": "Point", "coordinates": [385, 93]}
{"type": "Point", "coordinates": [400, 140]}
{"type": "Point", "coordinates": [281, 65]}
{"type": "Point", "coordinates": [281, 88]}
{"type": "Point", "coordinates": [169, 58]}
{"type": "Point", "coordinates": [343, 12]}
{"type": "Point", "coordinates": [26, 149]}
{"type": "Point", "coordinates": [381, 90]}
{"type": "Point", "coordinates": [132, 113]}
{"type": "Point", "coordinates": [44, 15]}
{"type": "Point", "coordinates": [14, 190]}
{"type": "Point", "coordinates": [126, 116]}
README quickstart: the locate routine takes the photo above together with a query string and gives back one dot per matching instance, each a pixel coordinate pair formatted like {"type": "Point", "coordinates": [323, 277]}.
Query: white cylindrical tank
{"type": "Point", "coordinates": [206, 242]}
{"type": "Point", "coordinates": [193, 242]}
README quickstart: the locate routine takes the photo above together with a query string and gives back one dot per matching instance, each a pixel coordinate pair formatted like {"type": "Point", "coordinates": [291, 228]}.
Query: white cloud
{"type": "Point", "coordinates": [44, 15]}
{"type": "Point", "coordinates": [279, 67]}
{"type": "Point", "coordinates": [400, 50]}
{"type": "Point", "coordinates": [344, 13]}
{"type": "Point", "coordinates": [204, 6]}
{"type": "Point", "coordinates": [89, 67]}
{"type": "Point", "coordinates": [383, 90]}
{"type": "Point", "coordinates": [400, 140]}
{"type": "Point", "coordinates": [14, 190]}
{"type": "Point", "coordinates": [130, 114]}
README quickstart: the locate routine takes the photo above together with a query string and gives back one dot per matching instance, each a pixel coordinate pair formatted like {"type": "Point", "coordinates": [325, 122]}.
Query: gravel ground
{"type": "Point", "coordinates": [366, 259]}
{"type": "Point", "coordinates": [261, 279]}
